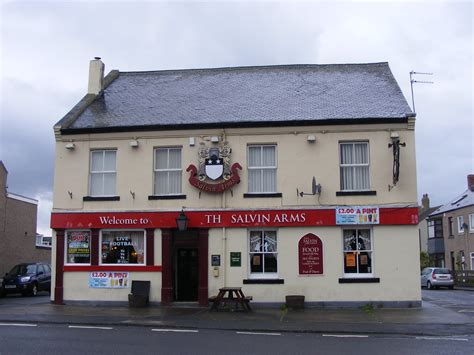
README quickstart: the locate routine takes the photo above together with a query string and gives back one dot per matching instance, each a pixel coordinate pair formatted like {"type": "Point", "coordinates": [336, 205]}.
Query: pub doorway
{"type": "Point", "coordinates": [185, 254]}
{"type": "Point", "coordinates": [185, 266]}
{"type": "Point", "coordinates": [186, 275]}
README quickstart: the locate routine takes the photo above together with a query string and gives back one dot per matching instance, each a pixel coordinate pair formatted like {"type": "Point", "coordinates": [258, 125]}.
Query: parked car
{"type": "Point", "coordinates": [27, 279]}
{"type": "Point", "coordinates": [435, 277]}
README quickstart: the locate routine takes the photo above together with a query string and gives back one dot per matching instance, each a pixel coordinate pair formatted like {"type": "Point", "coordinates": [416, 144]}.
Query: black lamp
{"type": "Point", "coordinates": [182, 222]}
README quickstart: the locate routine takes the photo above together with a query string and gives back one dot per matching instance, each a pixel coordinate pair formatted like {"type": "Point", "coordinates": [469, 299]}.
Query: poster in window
{"type": "Point", "coordinates": [78, 246]}
{"type": "Point", "coordinates": [256, 260]}
{"type": "Point", "coordinates": [310, 255]}
{"type": "Point", "coordinates": [350, 260]}
{"type": "Point", "coordinates": [363, 259]}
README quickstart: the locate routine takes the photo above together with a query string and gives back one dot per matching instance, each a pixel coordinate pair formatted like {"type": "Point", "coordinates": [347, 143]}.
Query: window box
{"type": "Point", "coordinates": [167, 197]}
{"type": "Point", "coordinates": [100, 198]}
{"type": "Point", "coordinates": [260, 195]}
{"type": "Point", "coordinates": [356, 193]}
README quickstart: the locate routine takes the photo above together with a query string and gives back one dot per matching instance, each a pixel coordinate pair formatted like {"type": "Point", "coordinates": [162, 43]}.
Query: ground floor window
{"type": "Point", "coordinates": [122, 247]}
{"type": "Point", "coordinates": [263, 253]}
{"type": "Point", "coordinates": [78, 247]}
{"type": "Point", "coordinates": [357, 252]}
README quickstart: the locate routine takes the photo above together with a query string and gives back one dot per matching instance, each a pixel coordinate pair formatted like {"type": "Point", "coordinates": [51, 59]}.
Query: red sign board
{"type": "Point", "coordinates": [310, 255]}
{"type": "Point", "coordinates": [217, 219]}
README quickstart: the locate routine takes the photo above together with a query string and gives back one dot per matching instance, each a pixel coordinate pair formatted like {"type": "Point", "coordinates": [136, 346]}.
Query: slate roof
{"type": "Point", "coordinates": [465, 199]}
{"type": "Point", "coordinates": [251, 96]}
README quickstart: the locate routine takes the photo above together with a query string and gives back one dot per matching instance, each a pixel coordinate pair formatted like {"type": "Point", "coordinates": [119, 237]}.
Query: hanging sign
{"type": "Point", "coordinates": [215, 174]}
{"type": "Point", "coordinates": [357, 215]}
{"type": "Point", "coordinates": [310, 255]}
{"type": "Point", "coordinates": [109, 279]}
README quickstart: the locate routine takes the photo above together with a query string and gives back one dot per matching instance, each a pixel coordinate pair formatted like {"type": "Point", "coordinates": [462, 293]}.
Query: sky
{"type": "Point", "coordinates": [46, 47]}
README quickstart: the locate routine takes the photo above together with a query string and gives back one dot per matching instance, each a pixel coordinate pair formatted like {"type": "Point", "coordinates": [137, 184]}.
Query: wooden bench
{"type": "Point", "coordinates": [234, 296]}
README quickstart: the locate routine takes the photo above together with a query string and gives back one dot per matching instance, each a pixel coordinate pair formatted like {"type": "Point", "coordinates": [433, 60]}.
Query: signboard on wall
{"type": "Point", "coordinates": [109, 279]}
{"type": "Point", "coordinates": [357, 215]}
{"type": "Point", "coordinates": [310, 255]}
{"type": "Point", "coordinates": [235, 259]}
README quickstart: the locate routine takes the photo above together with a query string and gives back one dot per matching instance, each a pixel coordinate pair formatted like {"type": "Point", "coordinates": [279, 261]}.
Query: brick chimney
{"type": "Point", "coordinates": [470, 182]}
{"type": "Point", "coordinates": [425, 202]}
{"type": "Point", "coordinates": [96, 76]}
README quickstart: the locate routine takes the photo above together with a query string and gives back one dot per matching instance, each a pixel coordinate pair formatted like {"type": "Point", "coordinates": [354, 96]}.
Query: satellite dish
{"type": "Point", "coordinates": [315, 189]}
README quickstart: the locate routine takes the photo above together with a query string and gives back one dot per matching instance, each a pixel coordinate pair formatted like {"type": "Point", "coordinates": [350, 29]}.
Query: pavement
{"type": "Point", "coordinates": [428, 320]}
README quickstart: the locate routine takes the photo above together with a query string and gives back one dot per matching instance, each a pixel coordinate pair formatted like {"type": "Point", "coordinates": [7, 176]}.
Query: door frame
{"type": "Point", "coordinates": [169, 243]}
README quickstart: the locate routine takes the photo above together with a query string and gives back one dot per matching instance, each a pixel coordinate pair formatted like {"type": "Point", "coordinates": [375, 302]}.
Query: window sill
{"type": "Point", "coordinates": [359, 280]}
{"type": "Point", "coordinates": [263, 281]}
{"type": "Point", "coordinates": [356, 193]}
{"type": "Point", "coordinates": [167, 197]}
{"type": "Point", "coordinates": [101, 198]}
{"type": "Point", "coordinates": [264, 195]}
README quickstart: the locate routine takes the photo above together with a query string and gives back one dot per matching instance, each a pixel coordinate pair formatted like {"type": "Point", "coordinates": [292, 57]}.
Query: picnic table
{"type": "Point", "coordinates": [231, 295]}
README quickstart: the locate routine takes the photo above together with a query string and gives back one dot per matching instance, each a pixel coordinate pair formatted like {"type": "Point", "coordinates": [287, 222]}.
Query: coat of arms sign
{"type": "Point", "coordinates": [215, 174]}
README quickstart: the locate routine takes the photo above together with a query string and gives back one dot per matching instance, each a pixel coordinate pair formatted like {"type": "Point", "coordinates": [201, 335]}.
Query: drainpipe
{"type": "Point", "coordinates": [224, 236]}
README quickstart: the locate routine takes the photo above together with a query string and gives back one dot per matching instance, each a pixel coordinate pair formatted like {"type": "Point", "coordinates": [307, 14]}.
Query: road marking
{"type": "Point", "coordinates": [176, 330]}
{"type": "Point", "coordinates": [345, 335]}
{"type": "Point", "coordinates": [257, 333]}
{"type": "Point", "coordinates": [19, 324]}
{"type": "Point", "coordinates": [442, 338]}
{"type": "Point", "coordinates": [88, 327]}
{"type": "Point", "coordinates": [466, 311]}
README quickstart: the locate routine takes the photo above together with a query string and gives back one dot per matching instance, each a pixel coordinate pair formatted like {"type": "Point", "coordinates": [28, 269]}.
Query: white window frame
{"type": "Point", "coordinates": [472, 261]}
{"type": "Point", "coordinates": [371, 250]}
{"type": "Point", "coordinates": [471, 223]}
{"type": "Point", "coordinates": [263, 274]}
{"type": "Point", "coordinates": [41, 242]}
{"type": "Point", "coordinates": [123, 230]}
{"type": "Point", "coordinates": [168, 170]}
{"type": "Point", "coordinates": [262, 168]}
{"type": "Point", "coordinates": [103, 172]}
{"type": "Point", "coordinates": [460, 221]}
{"type": "Point", "coordinates": [353, 166]}
{"type": "Point", "coordinates": [66, 262]}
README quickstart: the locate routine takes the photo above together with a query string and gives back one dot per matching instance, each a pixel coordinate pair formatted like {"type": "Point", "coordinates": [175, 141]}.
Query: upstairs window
{"type": "Point", "coordinates": [354, 166]}
{"type": "Point", "coordinates": [103, 173]}
{"type": "Point", "coordinates": [168, 171]}
{"type": "Point", "coordinates": [460, 224]}
{"type": "Point", "coordinates": [262, 168]}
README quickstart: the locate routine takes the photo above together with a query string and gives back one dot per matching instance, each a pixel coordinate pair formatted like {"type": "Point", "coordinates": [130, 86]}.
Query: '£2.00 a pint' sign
{"type": "Point", "coordinates": [215, 174]}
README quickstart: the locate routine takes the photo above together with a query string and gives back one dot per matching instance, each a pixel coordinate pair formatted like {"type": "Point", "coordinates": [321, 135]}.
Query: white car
{"type": "Point", "coordinates": [435, 277]}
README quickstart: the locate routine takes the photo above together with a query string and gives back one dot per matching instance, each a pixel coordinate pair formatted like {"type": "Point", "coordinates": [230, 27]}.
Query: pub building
{"type": "Point", "coordinates": [282, 180]}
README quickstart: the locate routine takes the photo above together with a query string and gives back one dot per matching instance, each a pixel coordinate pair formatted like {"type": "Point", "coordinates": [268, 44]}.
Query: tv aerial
{"type": "Point", "coordinates": [413, 81]}
{"type": "Point", "coordinates": [315, 189]}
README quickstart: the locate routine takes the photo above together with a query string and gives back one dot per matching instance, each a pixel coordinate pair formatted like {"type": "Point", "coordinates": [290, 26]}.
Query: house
{"type": "Point", "coordinates": [18, 228]}
{"type": "Point", "coordinates": [282, 180]}
{"type": "Point", "coordinates": [423, 213]}
{"type": "Point", "coordinates": [454, 223]}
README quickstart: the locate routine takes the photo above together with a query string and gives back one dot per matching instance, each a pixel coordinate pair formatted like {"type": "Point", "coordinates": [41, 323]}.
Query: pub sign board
{"type": "Point", "coordinates": [310, 255]}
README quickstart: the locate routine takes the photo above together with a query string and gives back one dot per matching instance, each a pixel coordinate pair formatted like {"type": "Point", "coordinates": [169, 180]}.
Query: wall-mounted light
{"type": "Point", "coordinates": [182, 221]}
{"type": "Point", "coordinates": [311, 138]}
{"type": "Point", "coordinates": [134, 144]}
{"type": "Point", "coordinates": [192, 141]}
{"type": "Point", "coordinates": [70, 146]}
{"type": "Point", "coordinates": [215, 139]}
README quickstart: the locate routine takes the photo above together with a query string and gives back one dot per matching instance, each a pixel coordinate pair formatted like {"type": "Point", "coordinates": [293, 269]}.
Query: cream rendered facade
{"type": "Point", "coordinates": [395, 247]}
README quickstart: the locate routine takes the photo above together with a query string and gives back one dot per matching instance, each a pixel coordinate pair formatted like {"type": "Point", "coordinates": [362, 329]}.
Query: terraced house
{"type": "Point", "coordinates": [282, 180]}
